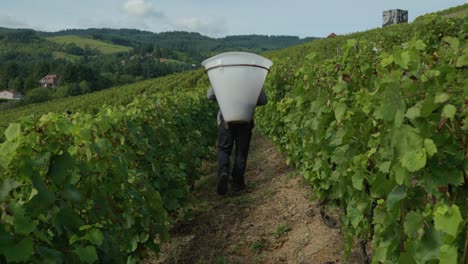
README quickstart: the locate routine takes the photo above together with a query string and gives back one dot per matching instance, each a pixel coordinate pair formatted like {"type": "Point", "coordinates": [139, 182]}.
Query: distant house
{"type": "Point", "coordinates": [50, 80]}
{"type": "Point", "coordinates": [10, 94]}
{"type": "Point", "coordinates": [332, 35]}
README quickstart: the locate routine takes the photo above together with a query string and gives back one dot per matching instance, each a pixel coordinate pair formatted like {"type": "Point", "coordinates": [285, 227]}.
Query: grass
{"type": "Point", "coordinates": [64, 55]}
{"type": "Point", "coordinates": [281, 230]}
{"type": "Point", "coordinates": [258, 246]}
{"type": "Point", "coordinates": [82, 42]}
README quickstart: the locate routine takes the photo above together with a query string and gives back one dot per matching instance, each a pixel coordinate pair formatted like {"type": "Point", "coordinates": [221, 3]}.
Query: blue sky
{"type": "Point", "coordinates": [213, 18]}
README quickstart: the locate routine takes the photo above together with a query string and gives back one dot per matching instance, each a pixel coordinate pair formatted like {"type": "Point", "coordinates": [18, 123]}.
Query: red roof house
{"type": "Point", "coordinates": [50, 80]}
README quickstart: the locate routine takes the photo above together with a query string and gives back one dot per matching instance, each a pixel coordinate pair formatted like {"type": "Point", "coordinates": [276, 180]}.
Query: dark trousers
{"type": "Point", "coordinates": [238, 134]}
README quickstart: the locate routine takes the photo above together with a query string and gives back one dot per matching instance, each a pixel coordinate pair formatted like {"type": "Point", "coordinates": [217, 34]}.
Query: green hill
{"type": "Point", "coordinates": [184, 41]}
{"type": "Point", "coordinates": [88, 60]}
{"type": "Point", "coordinates": [82, 42]}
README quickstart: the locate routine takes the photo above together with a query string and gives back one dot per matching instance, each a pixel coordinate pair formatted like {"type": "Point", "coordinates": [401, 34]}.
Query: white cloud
{"type": "Point", "coordinates": [212, 27]}
{"type": "Point", "coordinates": [143, 14]}
{"type": "Point", "coordinates": [94, 22]}
{"type": "Point", "coordinates": [12, 22]}
{"type": "Point", "coordinates": [141, 8]}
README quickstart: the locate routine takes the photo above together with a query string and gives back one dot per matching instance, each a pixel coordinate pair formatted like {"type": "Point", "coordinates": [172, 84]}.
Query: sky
{"type": "Point", "coordinates": [303, 18]}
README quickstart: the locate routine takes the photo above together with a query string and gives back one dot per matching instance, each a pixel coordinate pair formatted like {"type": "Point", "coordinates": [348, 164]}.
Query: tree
{"type": "Point", "coordinates": [16, 84]}
{"type": "Point", "coordinates": [41, 69]}
{"type": "Point", "coordinates": [37, 95]}
{"type": "Point", "coordinates": [74, 89]}
{"type": "Point", "coordinates": [84, 87]}
{"type": "Point", "coordinates": [62, 91]}
{"type": "Point", "coordinates": [12, 70]}
{"type": "Point", "coordinates": [30, 83]}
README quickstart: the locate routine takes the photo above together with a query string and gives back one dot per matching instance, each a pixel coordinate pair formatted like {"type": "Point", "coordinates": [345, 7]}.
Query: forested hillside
{"type": "Point", "coordinates": [89, 60]}
{"type": "Point", "coordinates": [185, 41]}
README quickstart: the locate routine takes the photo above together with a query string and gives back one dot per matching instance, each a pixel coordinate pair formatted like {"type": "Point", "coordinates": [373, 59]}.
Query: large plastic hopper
{"type": "Point", "coordinates": [237, 79]}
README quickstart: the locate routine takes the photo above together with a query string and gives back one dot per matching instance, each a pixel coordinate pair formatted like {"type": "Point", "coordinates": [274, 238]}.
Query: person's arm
{"type": "Point", "coordinates": [262, 98]}
{"type": "Point", "coordinates": [210, 94]}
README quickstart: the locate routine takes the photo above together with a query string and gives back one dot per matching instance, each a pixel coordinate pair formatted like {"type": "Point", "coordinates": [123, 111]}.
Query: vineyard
{"type": "Point", "coordinates": [82, 187]}
{"type": "Point", "coordinates": [376, 122]}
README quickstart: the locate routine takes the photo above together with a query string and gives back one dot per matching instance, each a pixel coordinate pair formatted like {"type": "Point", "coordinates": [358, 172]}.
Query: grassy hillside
{"type": "Point", "coordinates": [82, 42]}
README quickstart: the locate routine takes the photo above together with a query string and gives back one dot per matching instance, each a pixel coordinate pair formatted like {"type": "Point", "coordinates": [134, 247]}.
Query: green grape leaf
{"type": "Point", "coordinates": [428, 106]}
{"type": "Point", "coordinates": [73, 239]}
{"type": "Point", "coordinates": [354, 216]}
{"type": "Point", "coordinates": [23, 224]}
{"type": "Point", "coordinates": [447, 219]}
{"type": "Point", "coordinates": [21, 251]}
{"type": "Point", "coordinates": [60, 165]}
{"type": "Point", "coordinates": [340, 110]}
{"type": "Point", "coordinates": [86, 254]}
{"type": "Point", "coordinates": [430, 147]}
{"type": "Point", "coordinates": [427, 248]}
{"type": "Point", "coordinates": [390, 104]}
{"type": "Point", "coordinates": [454, 42]}
{"type": "Point", "coordinates": [441, 98]}
{"type": "Point", "coordinates": [134, 242]}
{"type": "Point", "coordinates": [7, 152]}
{"type": "Point", "coordinates": [412, 224]}
{"type": "Point", "coordinates": [404, 60]}
{"type": "Point", "coordinates": [395, 196]}
{"type": "Point", "coordinates": [419, 45]}
{"type": "Point", "coordinates": [351, 43]}
{"type": "Point", "coordinates": [449, 111]}
{"type": "Point", "coordinates": [6, 186]}
{"type": "Point", "coordinates": [400, 173]}
{"type": "Point", "coordinates": [448, 254]}
{"type": "Point", "coordinates": [462, 61]}
{"type": "Point", "coordinates": [387, 60]}
{"type": "Point", "coordinates": [358, 179]}
{"type": "Point", "coordinates": [13, 131]}
{"type": "Point", "coordinates": [414, 111]}
{"type": "Point", "coordinates": [385, 166]}
{"type": "Point", "coordinates": [339, 87]}
{"type": "Point", "coordinates": [406, 139]}
{"type": "Point", "coordinates": [399, 118]}
{"type": "Point", "coordinates": [96, 237]}
{"type": "Point", "coordinates": [414, 160]}
{"type": "Point", "coordinates": [465, 124]}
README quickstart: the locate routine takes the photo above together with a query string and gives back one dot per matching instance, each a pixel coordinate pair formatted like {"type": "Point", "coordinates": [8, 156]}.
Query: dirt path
{"type": "Point", "coordinates": [274, 221]}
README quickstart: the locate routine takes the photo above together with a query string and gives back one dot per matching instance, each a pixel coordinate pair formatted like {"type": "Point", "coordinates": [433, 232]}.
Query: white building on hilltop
{"type": "Point", "coordinates": [11, 95]}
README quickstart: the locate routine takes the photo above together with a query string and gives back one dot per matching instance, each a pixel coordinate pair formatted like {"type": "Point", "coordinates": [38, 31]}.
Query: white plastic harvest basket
{"type": "Point", "coordinates": [237, 79]}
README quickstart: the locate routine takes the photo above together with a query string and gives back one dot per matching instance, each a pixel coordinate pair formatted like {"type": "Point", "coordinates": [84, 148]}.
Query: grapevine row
{"type": "Point", "coordinates": [84, 187]}
{"type": "Point", "coordinates": [378, 124]}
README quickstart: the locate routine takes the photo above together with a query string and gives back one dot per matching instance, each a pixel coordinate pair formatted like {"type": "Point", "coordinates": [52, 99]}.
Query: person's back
{"type": "Point", "coordinates": [230, 133]}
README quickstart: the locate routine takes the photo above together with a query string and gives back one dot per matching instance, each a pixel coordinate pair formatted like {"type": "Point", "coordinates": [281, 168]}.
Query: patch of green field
{"type": "Point", "coordinates": [64, 55]}
{"type": "Point", "coordinates": [103, 47]}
